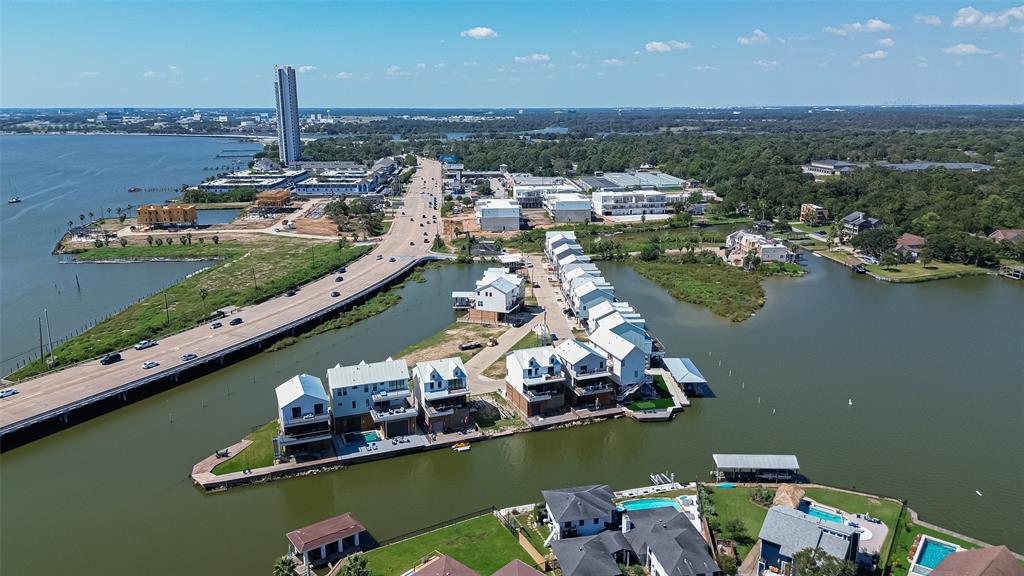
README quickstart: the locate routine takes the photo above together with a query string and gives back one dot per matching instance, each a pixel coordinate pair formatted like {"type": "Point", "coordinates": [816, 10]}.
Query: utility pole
{"type": "Point", "coordinates": [40, 321]}
{"type": "Point", "coordinates": [253, 269]}
{"type": "Point", "coordinates": [167, 311]}
{"type": "Point", "coordinates": [48, 337]}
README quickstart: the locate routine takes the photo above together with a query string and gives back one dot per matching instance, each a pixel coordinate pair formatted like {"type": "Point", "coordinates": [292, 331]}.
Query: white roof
{"type": "Point", "coordinates": [756, 461]}
{"type": "Point", "coordinates": [448, 368]}
{"type": "Point", "coordinates": [684, 371]}
{"type": "Point", "coordinates": [616, 319]}
{"type": "Point", "coordinates": [542, 354]}
{"type": "Point", "coordinates": [567, 247]}
{"type": "Point", "coordinates": [613, 344]}
{"type": "Point", "coordinates": [500, 280]}
{"type": "Point", "coordinates": [589, 267]}
{"type": "Point", "coordinates": [608, 307]}
{"type": "Point", "coordinates": [510, 258]}
{"type": "Point", "coordinates": [298, 386]}
{"type": "Point", "coordinates": [363, 373]}
{"type": "Point", "coordinates": [572, 351]}
{"type": "Point", "coordinates": [576, 272]}
{"type": "Point", "coordinates": [572, 259]}
{"type": "Point", "coordinates": [581, 291]}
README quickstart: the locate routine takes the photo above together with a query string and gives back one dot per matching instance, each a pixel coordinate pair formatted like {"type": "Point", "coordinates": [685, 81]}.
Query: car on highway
{"type": "Point", "coordinates": [426, 240]}
{"type": "Point", "coordinates": [554, 336]}
{"type": "Point", "coordinates": [188, 357]}
{"type": "Point", "coordinates": [215, 325]}
{"type": "Point", "coordinates": [392, 259]}
{"type": "Point", "coordinates": [421, 224]}
{"type": "Point", "coordinates": [411, 243]}
{"type": "Point", "coordinates": [290, 293]}
{"type": "Point", "coordinates": [8, 392]}
{"type": "Point", "coordinates": [110, 359]}
{"type": "Point", "coordinates": [235, 322]}
{"type": "Point", "coordinates": [342, 270]}
{"type": "Point", "coordinates": [412, 219]}
{"type": "Point", "coordinates": [150, 364]}
{"type": "Point", "coordinates": [338, 278]}
{"type": "Point", "coordinates": [335, 294]}
{"type": "Point", "coordinates": [143, 344]}
{"type": "Point", "coordinates": [380, 256]}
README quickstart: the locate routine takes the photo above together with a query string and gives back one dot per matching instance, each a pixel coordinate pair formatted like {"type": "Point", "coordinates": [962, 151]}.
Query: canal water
{"type": "Point", "coordinates": [58, 178]}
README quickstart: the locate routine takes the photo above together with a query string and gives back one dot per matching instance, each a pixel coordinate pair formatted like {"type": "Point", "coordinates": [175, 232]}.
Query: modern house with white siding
{"type": "Point", "coordinates": [304, 420]}
{"type": "Point", "coordinates": [534, 382]}
{"type": "Point", "coordinates": [372, 396]}
{"type": "Point", "coordinates": [441, 388]}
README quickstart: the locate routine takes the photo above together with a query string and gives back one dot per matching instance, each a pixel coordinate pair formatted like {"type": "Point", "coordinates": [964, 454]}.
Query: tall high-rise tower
{"type": "Point", "coordinates": [287, 114]}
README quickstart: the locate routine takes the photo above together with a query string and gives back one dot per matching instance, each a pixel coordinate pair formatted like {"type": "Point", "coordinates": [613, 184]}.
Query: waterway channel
{"type": "Point", "coordinates": [934, 372]}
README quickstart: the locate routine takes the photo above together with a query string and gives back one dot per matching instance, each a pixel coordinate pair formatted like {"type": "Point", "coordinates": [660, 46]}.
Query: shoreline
{"type": "Point", "coordinates": [242, 137]}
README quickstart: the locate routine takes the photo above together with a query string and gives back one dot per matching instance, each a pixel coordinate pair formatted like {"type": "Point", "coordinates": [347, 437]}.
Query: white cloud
{"type": "Point", "coordinates": [612, 62]}
{"type": "Point", "coordinates": [971, 17]}
{"type": "Point", "coordinates": [965, 50]}
{"type": "Point", "coordinates": [479, 33]}
{"type": "Point", "coordinates": [766, 64]}
{"type": "Point", "coordinates": [872, 25]}
{"type": "Point", "coordinates": [395, 70]}
{"type": "Point", "coordinates": [472, 64]}
{"type": "Point", "coordinates": [581, 66]}
{"type": "Point", "coordinates": [421, 66]}
{"type": "Point", "coordinates": [533, 58]}
{"type": "Point", "coordinates": [440, 65]}
{"type": "Point", "coordinates": [305, 69]}
{"type": "Point", "coordinates": [758, 36]}
{"type": "Point", "coordinates": [922, 64]}
{"type": "Point", "coordinates": [343, 75]}
{"type": "Point", "coordinates": [703, 68]}
{"type": "Point", "coordinates": [174, 70]}
{"type": "Point", "coordinates": [928, 19]}
{"type": "Point", "coordinates": [677, 45]}
{"type": "Point", "coordinates": [654, 47]}
{"type": "Point", "coordinates": [887, 42]}
{"type": "Point", "coordinates": [151, 74]}
{"type": "Point", "coordinates": [88, 73]}
{"type": "Point", "coordinates": [876, 55]}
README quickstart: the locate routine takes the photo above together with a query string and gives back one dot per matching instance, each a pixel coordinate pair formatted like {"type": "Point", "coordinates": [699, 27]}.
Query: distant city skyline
{"type": "Point", "coordinates": [511, 55]}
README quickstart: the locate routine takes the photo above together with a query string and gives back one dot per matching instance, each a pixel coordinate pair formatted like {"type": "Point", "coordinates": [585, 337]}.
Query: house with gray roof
{"type": "Point", "coordinates": [303, 417]}
{"type": "Point", "coordinates": [787, 531]}
{"type": "Point", "coordinates": [595, 555]}
{"type": "Point", "coordinates": [667, 543]}
{"type": "Point", "coordinates": [856, 222]}
{"type": "Point", "coordinates": [580, 511]}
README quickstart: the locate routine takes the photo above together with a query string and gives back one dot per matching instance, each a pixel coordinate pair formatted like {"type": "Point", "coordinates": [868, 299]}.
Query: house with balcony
{"type": "Point", "coordinates": [441, 389]}
{"type": "Point", "coordinates": [372, 396]}
{"type": "Point", "coordinates": [608, 307]}
{"type": "Point", "coordinates": [580, 511]}
{"type": "Point", "coordinates": [553, 240]}
{"type": "Point", "coordinates": [813, 215]}
{"type": "Point", "coordinates": [626, 362]}
{"type": "Point", "coordinates": [497, 295]}
{"type": "Point", "coordinates": [588, 379]}
{"type": "Point", "coordinates": [742, 243]}
{"type": "Point", "coordinates": [304, 420]}
{"type": "Point", "coordinates": [630, 202]}
{"type": "Point", "coordinates": [634, 331]}
{"type": "Point", "coordinates": [585, 297]}
{"type": "Point", "coordinates": [588, 268]}
{"type": "Point", "coordinates": [535, 382]}
{"type": "Point", "coordinates": [856, 222]}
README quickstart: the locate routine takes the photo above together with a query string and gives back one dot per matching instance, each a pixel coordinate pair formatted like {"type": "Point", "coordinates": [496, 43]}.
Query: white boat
{"type": "Point", "coordinates": [978, 493]}
{"type": "Point", "coordinates": [14, 200]}
{"type": "Point", "coordinates": [461, 447]}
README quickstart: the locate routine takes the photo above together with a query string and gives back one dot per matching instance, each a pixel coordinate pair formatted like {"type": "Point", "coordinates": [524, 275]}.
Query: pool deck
{"type": "Point", "coordinates": [875, 533]}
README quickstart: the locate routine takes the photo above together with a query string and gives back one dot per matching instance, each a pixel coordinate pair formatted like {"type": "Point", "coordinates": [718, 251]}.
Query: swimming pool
{"type": "Point", "coordinates": [648, 503]}
{"type": "Point", "coordinates": [825, 515]}
{"type": "Point", "coordinates": [371, 436]}
{"type": "Point", "coordinates": [932, 552]}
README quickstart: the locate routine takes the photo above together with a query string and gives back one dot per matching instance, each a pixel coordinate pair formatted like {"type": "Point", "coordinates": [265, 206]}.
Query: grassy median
{"type": "Point", "coordinates": [247, 271]}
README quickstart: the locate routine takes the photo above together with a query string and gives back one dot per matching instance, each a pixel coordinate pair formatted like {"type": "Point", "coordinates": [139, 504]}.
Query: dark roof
{"type": "Point", "coordinates": [324, 532]}
{"type": "Point", "coordinates": [992, 561]}
{"type": "Point", "coordinates": [672, 538]}
{"type": "Point", "coordinates": [517, 568]}
{"type": "Point", "coordinates": [580, 502]}
{"type": "Point", "coordinates": [444, 565]}
{"type": "Point", "coordinates": [590, 555]}
{"type": "Point", "coordinates": [859, 218]}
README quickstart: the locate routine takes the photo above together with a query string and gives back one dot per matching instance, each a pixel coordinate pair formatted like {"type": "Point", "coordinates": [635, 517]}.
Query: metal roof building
{"type": "Point", "coordinates": [756, 466]}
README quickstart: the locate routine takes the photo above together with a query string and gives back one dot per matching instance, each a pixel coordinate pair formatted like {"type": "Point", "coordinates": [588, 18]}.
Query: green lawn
{"type": "Point", "coordinates": [248, 272]}
{"type": "Point", "coordinates": [918, 272]}
{"type": "Point", "coordinates": [727, 290]}
{"type": "Point", "coordinates": [905, 539]}
{"type": "Point", "coordinates": [736, 503]}
{"type": "Point", "coordinates": [531, 532]}
{"type": "Point", "coordinates": [884, 510]}
{"type": "Point", "coordinates": [257, 455]}
{"type": "Point", "coordinates": [379, 303]}
{"type": "Point", "coordinates": [664, 399]}
{"type": "Point", "coordinates": [483, 544]}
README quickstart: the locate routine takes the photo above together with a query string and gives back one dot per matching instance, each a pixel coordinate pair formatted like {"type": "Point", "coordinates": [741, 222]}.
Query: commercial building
{"type": "Point", "coordinates": [638, 180]}
{"type": "Point", "coordinates": [259, 181]}
{"type": "Point", "coordinates": [497, 295]}
{"type": "Point", "coordinates": [917, 166]}
{"type": "Point", "coordinates": [626, 203]}
{"type": "Point", "coordinates": [813, 215]}
{"type": "Point", "coordinates": [568, 207]}
{"type": "Point", "coordinates": [498, 215]}
{"type": "Point", "coordinates": [287, 98]}
{"type": "Point", "coordinates": [152, 215]}
{"type": "Point", "coordinates": [354, 181]}
{"type": "Point", "coordinates": [441, 388]}
{"type": "Point", "coordinates": [372, 396]}
{"type": "Point", "coordinates": [304, 420]}
{"type": "Point", "coordinates": [529, 191]}
{"type": "Point", "coordinates": [819, 168]}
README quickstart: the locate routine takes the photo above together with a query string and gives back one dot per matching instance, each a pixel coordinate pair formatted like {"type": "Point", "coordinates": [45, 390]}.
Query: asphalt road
{"type": "Point", "coordinates": [404, 241]}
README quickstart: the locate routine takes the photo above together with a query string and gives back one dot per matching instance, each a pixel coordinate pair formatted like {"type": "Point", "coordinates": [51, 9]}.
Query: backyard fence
{"type": "Point", "coordinates": [438, 526]}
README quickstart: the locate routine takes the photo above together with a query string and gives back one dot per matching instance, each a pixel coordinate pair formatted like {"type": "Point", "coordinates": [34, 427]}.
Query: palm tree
{"type": "Point", "coordinates": [91, 215]}
{"type": "Point", "coordinates": [215, 238]}
{"type": "Point", "coordinates": [284, 566]}
{"type": "Point", "coordinates": [355, 565]}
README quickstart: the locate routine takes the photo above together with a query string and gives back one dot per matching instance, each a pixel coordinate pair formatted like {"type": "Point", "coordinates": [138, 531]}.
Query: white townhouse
{"type": "Point", "coordinates": [627, 362]}
{"type": "Point", "coordinates": [303, 415]}
{"type": "Point", "coordinates": [608, 307]}
{"type": "Point", "coordinates": [587, 267]}
{"type": "Point", "coordinates": [563, 249]}
{"type": "Point", "coordinates": [631, 202]}
{"type": "Point", "coordinates": [634, 332]}
{"type": "Point", "coordinates": [588, 378]}
{"type": "Point", "coordinates": [588, 295]}
{"type": "Point", "coordinates": [441, 388]}
{"type": "Point", "coordinates": [372, 396]}
{"type": "Point", "coordinates": [497, 295]}
{"type": "Point", "coordinates": [554, 239]}
{"type": "Point", "coordinates": [534, 381]}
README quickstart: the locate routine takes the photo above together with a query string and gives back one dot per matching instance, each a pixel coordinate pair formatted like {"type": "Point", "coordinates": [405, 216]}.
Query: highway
{"type": "Point", "coordinates": [71, 386]}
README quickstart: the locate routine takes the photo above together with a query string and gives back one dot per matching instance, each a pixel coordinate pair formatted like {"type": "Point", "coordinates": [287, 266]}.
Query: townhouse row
{"type": "Point", "coordinates": [378, 400]}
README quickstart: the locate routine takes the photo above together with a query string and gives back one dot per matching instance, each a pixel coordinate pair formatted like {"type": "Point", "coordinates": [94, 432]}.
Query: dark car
{"type": "Point", "coordinates": [338, 278]}
{"type": "Point", "coordinates": [517, 323]}
{"type": "Point", "coordinates": [110, 359]}
{"type": "Point", "coordinates": [188, 357]}
{"type": "Point", "coordinates": [392, 259]}
{"type": "Point", "coordinates": [342, 270]}
{"type": "Point", "coordinates": [290, 293]}
{"type": "Point", "coordinates": [235, 322]}
{"type": "Point", "coordinates": [335, 294]}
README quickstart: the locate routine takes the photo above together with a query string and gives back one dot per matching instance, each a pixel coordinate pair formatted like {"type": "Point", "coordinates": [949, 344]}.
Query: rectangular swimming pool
{"type": "Point", "coordinates": [824, 515]}
{"type": "Point", "coordinates": [932, 552]}
{"type": "Point", "coordinates": [648, 503]}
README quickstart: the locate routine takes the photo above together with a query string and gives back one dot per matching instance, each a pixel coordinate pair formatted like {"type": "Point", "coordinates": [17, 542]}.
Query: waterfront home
{"type": "Point", "coordinates": [565, 248]}
{"type": "Point", "coordinates": [327, 540]}
{"type": "Point", "coordinates": [756, 467]}
{"type": "Point", "coordinates": [742, 243]}
{"type": "Point", "coordinates": [441, 565]}
{"type": "Point", "coordinates": [441, 389]}
{"type": "Point", "coordinates": [512, 263]}
{"type": "Point", "coordinates": [304, 421]}
{"type": "Point", "coordinates": [787, 531]}
{"type": "Point", "coordinates": [596, 555]}
{"type": "Point", "coordinates": [856, 222]}
{"type": "Point", "coordinates": [372, 396]}
{"type": "Point", "coordinates": [633, 331]}
{"type": "Point", "coordinates": [554, 239]}
{"type": "Point", "coordinates": [580, 511]}
{"type": "Point", "coordinates": [1006, 235]}
{"type": "Point", "coordinates": [666, 542]}
{"type": "Point", "coordinates": [580, 278]}
{"type": "Point", "coordinates": [497, 295]}
{"type": "Point", "coordinates": [910, 244]}
{"type": "Point", "coordinates": [588, 378]}
{"type": "Point", "coordinates": [567, 259]}
{"type": "Point", "coordinates": [990, 561]}
{"type": "Point", "coordinates": [587, 268]}
{"type": "Point", "coordinates": [588, 295]}
{"type": "Point", "coordinates": [608, 307]}
{"type": "Point", "coordinates": [534, 381]}
{"type": "Point", "coordinates": [627, 362]}
{"type": "Point", "coordinates": [813, 215]}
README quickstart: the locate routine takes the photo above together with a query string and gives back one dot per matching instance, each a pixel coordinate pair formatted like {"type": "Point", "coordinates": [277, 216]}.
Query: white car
{"type": "Point", "coordinates": [150, 364]}
{"type": "Point", "coordinates": [8, 392]}
{"type": "Point", "coordinates": [142, 345]}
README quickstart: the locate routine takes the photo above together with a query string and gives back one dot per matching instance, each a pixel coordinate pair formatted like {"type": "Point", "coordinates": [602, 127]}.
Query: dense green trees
{"type": "Point", "coordinates": [202, 197]}
{"type": "Point", "coordinates": [876, 242]}
{"type": "Point", "coordinates": [816, 562]}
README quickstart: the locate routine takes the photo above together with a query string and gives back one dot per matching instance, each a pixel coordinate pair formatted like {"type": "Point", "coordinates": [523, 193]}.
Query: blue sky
{"type": "Point", "coordinates": [511, 54]}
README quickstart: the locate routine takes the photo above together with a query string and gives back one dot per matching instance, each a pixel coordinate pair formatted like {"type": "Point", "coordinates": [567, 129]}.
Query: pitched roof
{"type": "Point", "coordinates": [361, 374]}
{"type": "Point", "coordinates": [588, 287]}
{"type": "Point", "coordinates": [298, 386]}
{"type": "Point", "coordinates": [517, 568]}
{"type": "Point", "coordinates": [447, 368]}
{"type": "Point", "coordinates": [613, 344]}
{"type": "Point", "coordinates": [324, 532]}
{"type": "Point", "coordinates": [673, 540]}
{"type": "Point", "coordinates": [684, 371]}
{"type": "Point", "coordinates": [1010, 234]}
{"type": "Point", "coordinates": [908, 240]}
{"type": "Point", "coordinates": [580, 502]}
{"type": "Point", "coordinates": [793, 531]}
{"type": "Point", "coordinates": [757, 461]}
{"type": "Point", "coordinates": [444, 565]}
{"type": "Point", "coordinates": [572, 351]}
{"type": "Point", "coordinates": [590, 555]}
{"type": "Point", "coordinates": [542, 355]}
{"type": "Point", "coordinates": [991, 561]}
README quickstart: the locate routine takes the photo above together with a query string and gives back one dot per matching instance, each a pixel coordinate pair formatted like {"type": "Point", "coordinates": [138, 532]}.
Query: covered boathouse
{"type": "Point", "coordinates": [756, 467]}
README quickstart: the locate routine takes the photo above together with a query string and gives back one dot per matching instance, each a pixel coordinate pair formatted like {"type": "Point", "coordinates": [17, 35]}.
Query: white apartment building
{"type": "Point", "coordinates": [568, 207]}
{"type": "Point", "coordinates": [631, 202]}
{"type": "Point", "coordinates": [529, 191]}
{"type": "Point", "coordinates": [498, 215]}
{"type": "Point", "coordinates": [260, 181]}
{"type": "Point", "coordinates": [372, 396]}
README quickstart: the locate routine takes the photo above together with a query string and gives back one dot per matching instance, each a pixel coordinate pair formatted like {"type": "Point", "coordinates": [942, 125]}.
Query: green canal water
{"type": "Point", "coordinates": [934, 371]}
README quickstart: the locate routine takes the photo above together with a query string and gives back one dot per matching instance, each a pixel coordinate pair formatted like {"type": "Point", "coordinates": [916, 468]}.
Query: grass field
{"type": "Point", "coordinates": [257, 455]}
{"type": "Point", "coordinates": [664, 399]}
{"type": "Point", "coordinates": [249, 272]}
{"type": "Point", "coordinates": [918, 272]}
{"type": "Point", "coordinates": [481, 543]}
{"type": "Point", "coordinates": [736, 503]}
{"type": "Point", "coordinates": [727, 290]}
{"type": "Point", "coordinates": [379, 303]}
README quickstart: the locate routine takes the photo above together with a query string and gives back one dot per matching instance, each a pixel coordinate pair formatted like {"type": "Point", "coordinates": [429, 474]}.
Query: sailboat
{"type": "Point", "coordinates": [14, 200]}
